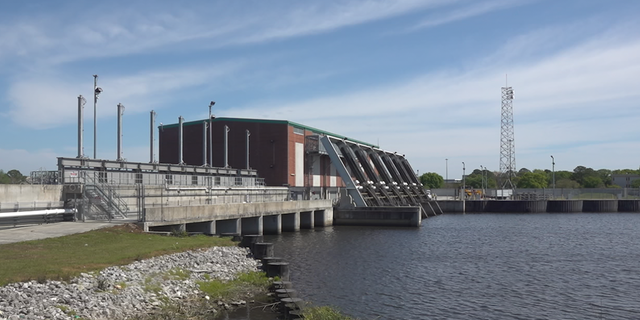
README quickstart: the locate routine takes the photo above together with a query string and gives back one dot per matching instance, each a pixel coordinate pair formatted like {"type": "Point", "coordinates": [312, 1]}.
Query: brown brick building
{"type": "Point", "coordinates": [284, 153]}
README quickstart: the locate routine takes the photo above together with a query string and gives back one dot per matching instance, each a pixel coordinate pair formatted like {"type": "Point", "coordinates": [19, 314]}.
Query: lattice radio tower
{"type": "Point", "coordinates": [507, 140]}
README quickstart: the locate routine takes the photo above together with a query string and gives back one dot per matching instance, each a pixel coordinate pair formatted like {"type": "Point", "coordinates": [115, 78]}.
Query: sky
{"type": "Point", "coordinates": [418, 77]}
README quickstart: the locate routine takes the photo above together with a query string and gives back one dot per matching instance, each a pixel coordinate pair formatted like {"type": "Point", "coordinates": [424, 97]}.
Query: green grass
{"type": "Point", "coordinates": [324, 313]}
{"type": "Point", "coordinates": [245, 282]}
{"type": "Point", "coordinates": [66, 257]}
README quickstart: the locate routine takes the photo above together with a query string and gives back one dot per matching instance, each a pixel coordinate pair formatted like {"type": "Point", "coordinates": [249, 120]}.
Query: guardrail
{"type": "Point", "coordinates": [36, 217]}
{"type": "Point", "coordinates": [29, 206]}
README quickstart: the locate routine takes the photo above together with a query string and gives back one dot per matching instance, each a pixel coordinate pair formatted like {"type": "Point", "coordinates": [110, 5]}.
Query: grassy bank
{"type": "Point", "coordinates": [68, 256]}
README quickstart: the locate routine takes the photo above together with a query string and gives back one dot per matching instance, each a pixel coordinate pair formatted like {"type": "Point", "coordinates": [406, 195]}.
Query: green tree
{"type": "Point", "coordinates": [580, 173]}
{"type": "Point", "coordinates": [566, 183]}
{"type": "Point", "coordinates": [4, 178]}
{"type": "Point", "coordinates": [592, 182]}
{"type": "Point", "coordinates": [522, 171]}
{"type": "Point", "coordinates": [533, 180]}
{"type": "Point", "coordinates": [605, 176]}
{"type": "Point", "coordinates": [625, 171]}
{"type": "Point", "coordinates": [16, 177]}
{"type": "Point", "coordinates": [563, 175]}
{"type": "Point", "coordinates": [635, 183]}
{"type": "Point", "coordinates": [474, 181]}
{"type": "Point", "coordinates": [432, 180]}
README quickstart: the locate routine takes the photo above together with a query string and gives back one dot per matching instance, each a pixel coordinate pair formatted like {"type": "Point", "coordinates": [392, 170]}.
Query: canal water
{"type": "Point", "coordinates": [474, 266]}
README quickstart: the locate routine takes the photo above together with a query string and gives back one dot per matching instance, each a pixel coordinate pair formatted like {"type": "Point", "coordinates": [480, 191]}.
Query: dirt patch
{"type": "Point", "coordinates": [127, 227]}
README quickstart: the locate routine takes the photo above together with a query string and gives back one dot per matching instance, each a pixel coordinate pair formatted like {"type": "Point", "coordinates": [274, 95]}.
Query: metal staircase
{"type": "Point", "coordinates": [102, 201]}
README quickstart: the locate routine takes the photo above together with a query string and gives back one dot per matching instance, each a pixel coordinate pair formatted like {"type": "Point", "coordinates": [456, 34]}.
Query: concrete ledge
{"type": "Point", "coordinates": [189, 214]}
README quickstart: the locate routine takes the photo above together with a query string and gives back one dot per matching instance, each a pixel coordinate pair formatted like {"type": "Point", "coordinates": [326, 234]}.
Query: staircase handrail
{"type": "Point", "coordinates": [110, 195]}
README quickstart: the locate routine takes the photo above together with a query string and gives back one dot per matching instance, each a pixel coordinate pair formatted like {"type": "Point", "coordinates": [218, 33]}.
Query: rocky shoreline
{"type": "Point", "coordinates": [132, 290]}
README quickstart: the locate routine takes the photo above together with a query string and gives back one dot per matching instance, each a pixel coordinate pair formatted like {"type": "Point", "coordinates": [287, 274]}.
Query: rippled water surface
{"type": "Point", "coordinates": [506, 266]}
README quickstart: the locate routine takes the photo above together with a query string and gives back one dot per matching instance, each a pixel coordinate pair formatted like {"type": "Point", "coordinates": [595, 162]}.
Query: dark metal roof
{"type": "Point", "coordinates": [286, 122]}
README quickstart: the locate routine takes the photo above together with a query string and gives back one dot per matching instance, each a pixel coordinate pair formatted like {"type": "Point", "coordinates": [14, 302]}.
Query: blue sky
{"type": "Point", "coordinates": [420, 77]}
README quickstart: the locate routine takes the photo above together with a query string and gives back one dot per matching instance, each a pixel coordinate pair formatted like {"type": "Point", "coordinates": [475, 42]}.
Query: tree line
{"type": "Point", "coordinates": [12, 177]}
{"type": "Point", "coordinates": [580, 177]}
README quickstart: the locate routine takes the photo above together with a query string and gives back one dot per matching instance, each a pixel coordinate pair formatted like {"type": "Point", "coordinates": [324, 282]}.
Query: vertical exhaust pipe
{"type": "Point", "coordinates": [211, 104]}
{"type": "Point", "coordinates": [180, 145]}
{"type": "Point", "coordinates": [152, 157]}
{"type": "Point", "coordinates": [226, 146]}
{"type": "Point", "coordinates": [204, 143]}
{"type": "Point", "coordinates": [120, 113]}
{"type": "Point", "coordinates": [81, 103]}
{"type": "Point", "coordinates": [248, 135]}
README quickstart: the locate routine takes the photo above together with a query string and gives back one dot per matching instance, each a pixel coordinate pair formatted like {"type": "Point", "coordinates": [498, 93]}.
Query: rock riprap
{"type": "Point", "coordinates": [124, 291]}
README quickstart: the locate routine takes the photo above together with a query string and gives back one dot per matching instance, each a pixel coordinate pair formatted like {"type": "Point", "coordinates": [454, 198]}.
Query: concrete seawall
{"type": "Point", "coordinates": [379, 216]}
{"type": "Point", "coordinates": [538, 206]}
{"type": "Point", "coordinates": [25, 197]}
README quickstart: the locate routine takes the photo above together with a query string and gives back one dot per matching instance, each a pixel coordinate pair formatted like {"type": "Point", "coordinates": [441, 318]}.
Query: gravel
{"type": "Point", "coordinates": [125, 291]}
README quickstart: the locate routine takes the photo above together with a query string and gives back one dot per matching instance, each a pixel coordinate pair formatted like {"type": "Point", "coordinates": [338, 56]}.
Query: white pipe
{"type": "Point", "coordinates": [36, 213]}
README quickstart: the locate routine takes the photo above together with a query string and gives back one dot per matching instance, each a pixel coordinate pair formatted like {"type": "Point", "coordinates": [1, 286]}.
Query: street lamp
{"type": "Point", "coordinates": [553, 173]}
{"type": "Point", "coordinates": [464, 184]}
{"type": "Point", "coordinates": [96, 93]}
{"type": "Point", "coordinates": [482, 178]}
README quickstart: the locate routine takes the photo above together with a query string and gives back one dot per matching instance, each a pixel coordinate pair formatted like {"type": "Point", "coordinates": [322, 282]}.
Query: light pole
{"type": "Point", "coordinates": [553, 174]}
{"type": "Point", "coordinates": [482, 178]}
{"type": "Point", "coordinates": [210, 135]}
{"type": "Point", "coordinates": [464, 189]}
{"type": "Point", "coordinates": [96, 93]}
{"type": "Point", "coordinates": [464, 184]}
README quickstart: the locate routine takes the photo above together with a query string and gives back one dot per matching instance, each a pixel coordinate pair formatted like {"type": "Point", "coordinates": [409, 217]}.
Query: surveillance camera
{"type": "Point", "coordinates": [98, 90]}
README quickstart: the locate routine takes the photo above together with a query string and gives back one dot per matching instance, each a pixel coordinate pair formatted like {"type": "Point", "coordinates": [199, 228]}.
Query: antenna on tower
{"type": "Point", "coordinates": [507, 140]}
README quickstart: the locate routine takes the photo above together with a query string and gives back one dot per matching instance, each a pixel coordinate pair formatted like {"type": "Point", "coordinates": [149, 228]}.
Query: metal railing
{"type": "Point", "coordinates": [104, 197]}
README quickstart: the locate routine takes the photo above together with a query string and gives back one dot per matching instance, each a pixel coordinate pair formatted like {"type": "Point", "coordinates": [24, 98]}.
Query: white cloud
{"type": "Point", "coordinates": [106, 31]}
{"type": "Point", "coordinates": [48, 101]}
{"type": "Point", "coordinates": [475, 9]}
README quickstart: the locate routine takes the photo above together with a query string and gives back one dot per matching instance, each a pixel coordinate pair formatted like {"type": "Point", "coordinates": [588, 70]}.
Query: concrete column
{"type": "Point", "coordinates": [227, 226]}
{"type": "Point", "coordinates": [252, 225]}
{"type": "Point", "coordinates": [323, 218]}
{"type": "Point", "coordinates": [291, 222]}
{"type": "Point", "coordinates": [272, 224]}
{"type": "Point", "coordinates": [306, 220]}
{"type": "Point", "coordinates": [206, 227]}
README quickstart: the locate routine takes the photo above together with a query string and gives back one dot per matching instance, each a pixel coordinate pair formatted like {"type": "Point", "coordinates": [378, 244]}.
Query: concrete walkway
{"type": "Point", "coordinates": [52, 230]}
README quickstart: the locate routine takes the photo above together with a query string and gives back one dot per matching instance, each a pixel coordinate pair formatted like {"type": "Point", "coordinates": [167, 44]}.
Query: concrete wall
{"type": "Point", "coordinates": [25, 196]}
{"type": "Point", "coordinates": [379, 216]}
{"type": "Point", "coordinates": [538, 206]}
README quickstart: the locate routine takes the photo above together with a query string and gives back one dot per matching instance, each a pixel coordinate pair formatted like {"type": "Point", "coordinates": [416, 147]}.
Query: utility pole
{"type": "Point", "coordinates": [96, 92]}
{"type": "Point", "coordinates": [553, 175]}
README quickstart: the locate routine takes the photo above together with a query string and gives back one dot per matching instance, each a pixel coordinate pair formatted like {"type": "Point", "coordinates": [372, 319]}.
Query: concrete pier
{"type": "Point", "coordinates": [306, 220]}
{"type": "Point", "coordinates": [564, 206]}
{"type": "Point", "coordinates": [241, 218]}
{"type": "Point", "coordinates": [599, 205]}
{"type": "Point", "coordinates": [628, 205]}
{"type": "Point", "coordinates": [516, 206]}
{"type": "Point", "coordinates": [539, 206]}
